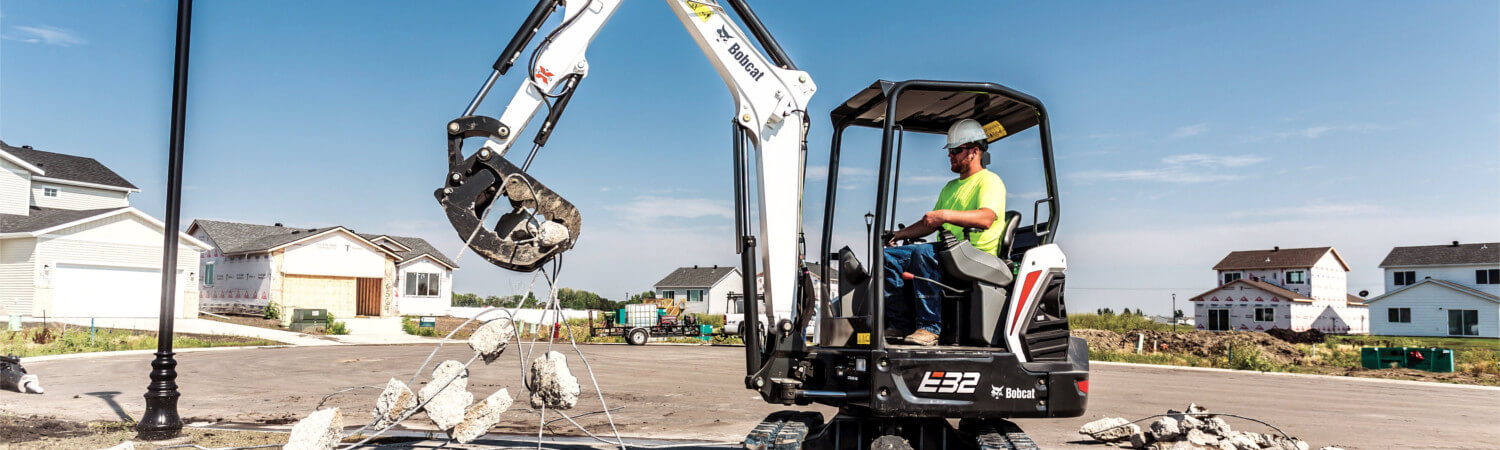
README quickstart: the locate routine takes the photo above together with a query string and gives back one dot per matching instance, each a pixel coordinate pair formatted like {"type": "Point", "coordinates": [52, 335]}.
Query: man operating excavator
{"type": "Point", "coordinates": [976, 199]}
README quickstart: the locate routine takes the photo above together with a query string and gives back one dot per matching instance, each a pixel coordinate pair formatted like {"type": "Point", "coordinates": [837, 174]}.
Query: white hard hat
{"type": "Point", "coordinates": [964, 132]}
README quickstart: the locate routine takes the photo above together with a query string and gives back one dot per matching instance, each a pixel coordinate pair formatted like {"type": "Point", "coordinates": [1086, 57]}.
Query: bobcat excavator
{"type": "Point", "coordinates": [1004, 352]}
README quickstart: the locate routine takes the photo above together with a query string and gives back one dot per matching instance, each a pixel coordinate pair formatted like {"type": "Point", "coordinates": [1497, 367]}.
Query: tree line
{"type": "Point", "coordinates": [568, 298]}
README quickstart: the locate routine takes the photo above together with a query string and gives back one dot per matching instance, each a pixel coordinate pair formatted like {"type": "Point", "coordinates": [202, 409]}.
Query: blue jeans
{"type": "Point", "coordinates": [915, 303]}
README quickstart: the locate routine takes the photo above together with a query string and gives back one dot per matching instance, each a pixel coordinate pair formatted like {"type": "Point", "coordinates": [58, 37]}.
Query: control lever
{"type": "Point", "coordinates": [536, 226]}
{"type": "Point", "coordinates": [908, 276]}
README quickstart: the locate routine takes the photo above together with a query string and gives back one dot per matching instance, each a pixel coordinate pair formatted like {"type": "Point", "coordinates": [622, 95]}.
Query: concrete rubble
{"type": "Point", "coordinates": [321, 430]}
{"type": "Point", "coordinates": [481, 417]}
{"type": "Point", "coordinates": [446, 406]}
{"type": "Point", "coordinates": [1193, 429]}
{"type": "Point", "coordinates": [393, 403]}
{"type": "Point", "coordinates": [490, 339]}
{"type": "Point", "coordinates": [552, 384]}
{"type": "Point", "coordinates": [127, 445]}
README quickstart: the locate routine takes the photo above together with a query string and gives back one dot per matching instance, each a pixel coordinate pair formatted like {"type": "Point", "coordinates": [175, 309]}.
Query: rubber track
{"type": "Point", "coordinates": [990, 439]}
{"type": "Point", "coordinates": [783, 432]}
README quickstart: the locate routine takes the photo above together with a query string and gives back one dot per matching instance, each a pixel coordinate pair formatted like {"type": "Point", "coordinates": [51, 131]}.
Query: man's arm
{"type": "Point", "coordinates": [933, 220]}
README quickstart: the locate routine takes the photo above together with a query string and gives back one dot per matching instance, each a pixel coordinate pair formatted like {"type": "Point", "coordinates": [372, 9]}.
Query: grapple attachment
{"type": "Point", "coordinates": [534, 226]}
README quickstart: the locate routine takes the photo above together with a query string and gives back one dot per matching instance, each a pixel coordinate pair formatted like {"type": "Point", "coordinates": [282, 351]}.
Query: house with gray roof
{"type": "Point", "coordinates": [705, 289]}
{"type": "Point", "coordinates": [1294, 288]}
{"type": "Point", "coordinates": [1440, 290]}
{"type": "Point", "coordinates": [249, 266]}
{"type": "Point", "coordinates": [71, 247]}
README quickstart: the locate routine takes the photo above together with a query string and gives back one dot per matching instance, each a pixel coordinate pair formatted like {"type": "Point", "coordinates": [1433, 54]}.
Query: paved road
{"type": "Point", "coordinates": [694, 392]}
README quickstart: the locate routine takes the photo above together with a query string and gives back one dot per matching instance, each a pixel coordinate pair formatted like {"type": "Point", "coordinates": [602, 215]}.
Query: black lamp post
{"type": "Point", "coordinates": [160, 420]}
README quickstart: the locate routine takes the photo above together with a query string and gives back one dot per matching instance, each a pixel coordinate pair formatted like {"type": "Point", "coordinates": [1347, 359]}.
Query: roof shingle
{"type": "Point", "coordinates": [695, 276]}
{"type": "Point", "coordinates": [41, 218]}
{"type": "Point", "coordinates": [1276, 258]}
{"type": "Point", "coordinates": [1264, 286]}
{"type": "Point", "coordinates": [234, 237]}
{"type": "Point", "coordinates": [1428, 255]}
{"type": "Point", "coordinates": [69, 167]}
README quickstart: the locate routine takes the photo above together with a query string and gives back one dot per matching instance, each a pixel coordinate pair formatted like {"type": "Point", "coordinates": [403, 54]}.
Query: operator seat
{"type": "Point", "coordinates": [973, 317]}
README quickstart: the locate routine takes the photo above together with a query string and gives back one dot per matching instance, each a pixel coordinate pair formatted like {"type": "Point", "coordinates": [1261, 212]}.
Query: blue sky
{"type": "Point", "coordinates": [1183, 130]}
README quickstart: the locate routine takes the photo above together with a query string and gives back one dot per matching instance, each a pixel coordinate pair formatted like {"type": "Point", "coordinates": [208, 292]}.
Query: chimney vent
{"type": "Point", "coordinates": [28, 147]}
{"type": "Point", "coordinates": [278, 224]}
{"type": "Point", "coordinates": [1276, 248]}
{"type": "Point", "coordinates": [1455, 243]}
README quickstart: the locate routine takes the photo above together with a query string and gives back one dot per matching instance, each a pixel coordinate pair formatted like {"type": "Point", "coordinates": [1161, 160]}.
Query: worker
{"type": "Point", "coordinates": [976, 199]}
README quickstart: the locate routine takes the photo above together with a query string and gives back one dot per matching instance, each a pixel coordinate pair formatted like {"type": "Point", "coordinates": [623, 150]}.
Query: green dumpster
{"type": "Point", "coordinates": [1430, 359]}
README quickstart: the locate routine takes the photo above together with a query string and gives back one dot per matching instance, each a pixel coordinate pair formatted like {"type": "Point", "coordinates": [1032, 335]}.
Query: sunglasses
{"type": "Point", "coordinates": [961, 149]}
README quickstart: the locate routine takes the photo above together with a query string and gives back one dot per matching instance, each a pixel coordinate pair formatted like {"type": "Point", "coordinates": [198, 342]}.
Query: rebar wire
{"type": "Point", "coordinates": [326, 397]}
{"type": "Point", "coordinates": [1273, 427]}
{"type": "Point", "coordinates": [413, 411]}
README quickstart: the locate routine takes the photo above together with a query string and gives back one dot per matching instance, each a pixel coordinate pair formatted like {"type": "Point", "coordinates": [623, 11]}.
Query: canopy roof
{"type": "Point", "coordinates": [931, 106]}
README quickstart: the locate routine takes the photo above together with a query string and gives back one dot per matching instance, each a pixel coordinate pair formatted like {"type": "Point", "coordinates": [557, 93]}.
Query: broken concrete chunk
{"type": "Point", "coordinates": [481, 417]}
{"type": "Point", "coordinates": [1196, 408]}
{"type": "Point", "coordinates": [1189, 423]}
{"type": "Point", "coordinates": [320, 430]}
{"type": "Point", "coordinates": [127, 445]}
{"type": "Point", "coordinates": [393, 403]}
{"type": "Point", "coordinates": [1241, 441]}
{"type": "Point", "coordinates": [446, 406]}
{"type": "Point", "coordinates": [490, 339]}
{"type": "Point", "coordinates": [552, 384]}
{"type": "Point", "coordinates": [1197, 436]}
{"type": "Point", "coordinates": [1216, 426]}
{"type": "Point", "coordinates": [1139, 440]}
{"type": "Point", "coordinates": [1165, 429]}
{"type": "Point", "coordinates": [1107, 429]}
{"type": "Point", "coordinates": [552, 233]}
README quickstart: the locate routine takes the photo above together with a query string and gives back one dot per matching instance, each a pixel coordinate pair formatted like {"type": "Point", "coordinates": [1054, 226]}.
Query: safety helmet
{"type": "Point", "coordinates": [964, 132]}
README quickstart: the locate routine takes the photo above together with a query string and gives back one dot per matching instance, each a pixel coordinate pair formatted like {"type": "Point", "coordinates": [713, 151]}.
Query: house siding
{"type": "Point", "coordinates": [77, 197]}
{"type": "Point", "coordinates": [718, 301]}
{"type": "Point", "coordinates": [337, 255]}
{"type": "Point", "coordinates": [121, 241]}
{"type": "Point", "coordinates": [1429, 305]}
{"type": "Point", "coordinates": [14, 183]}
{"type": "Point", "coordinates": [17, 275]}
{"type": "Point", "coordinates": [424, 305]}
{"type": "Point", "coordinates": [1328, 280]}
{"type": "Point", "coordinates": [1460, 274]}
{"type": "Point", "coordinates": [1241, 301]}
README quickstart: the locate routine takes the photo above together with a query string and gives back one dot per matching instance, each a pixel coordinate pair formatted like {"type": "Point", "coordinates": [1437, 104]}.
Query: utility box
{"type": "Point", "coordinates": [302, 319]}
{"type": "Point", "coordinates": [1431, 359]}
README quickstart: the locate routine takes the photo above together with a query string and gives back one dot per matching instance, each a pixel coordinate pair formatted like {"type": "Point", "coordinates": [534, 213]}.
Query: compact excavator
{"type": "Point", "coordinates": [1004, 351]}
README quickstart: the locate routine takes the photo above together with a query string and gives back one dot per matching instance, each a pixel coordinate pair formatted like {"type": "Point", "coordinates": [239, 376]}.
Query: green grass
{"type": "Point", "coordinates": [1118, 323]}
{"type": "Point", "coordinates": [25, 343]}
{"type": "Point", "coordinates": [1240, 359]}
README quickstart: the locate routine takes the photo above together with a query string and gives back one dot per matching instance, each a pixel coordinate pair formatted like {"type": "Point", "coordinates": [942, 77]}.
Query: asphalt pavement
{"type": "Point", "coordinates": [696, 392]}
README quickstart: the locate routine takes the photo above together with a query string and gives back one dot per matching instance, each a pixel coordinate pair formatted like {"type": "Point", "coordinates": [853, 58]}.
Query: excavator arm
{"type": "Point", "coordinates": [536, 225]}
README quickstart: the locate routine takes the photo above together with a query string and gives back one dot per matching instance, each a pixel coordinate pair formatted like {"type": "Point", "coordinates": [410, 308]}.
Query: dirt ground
{"type": "Point", "coordinates": [25, 433]}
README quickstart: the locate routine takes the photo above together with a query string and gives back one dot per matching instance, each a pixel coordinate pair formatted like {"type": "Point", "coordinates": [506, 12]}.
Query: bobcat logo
{"type": "Point", "coordinates": [997, 392]}
{"type": "Point", "coordinates": [1004, 392]}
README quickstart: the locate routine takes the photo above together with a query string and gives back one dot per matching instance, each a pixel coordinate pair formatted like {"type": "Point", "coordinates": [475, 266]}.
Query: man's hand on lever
{"type": "Point", "coordinates": [935, 219]}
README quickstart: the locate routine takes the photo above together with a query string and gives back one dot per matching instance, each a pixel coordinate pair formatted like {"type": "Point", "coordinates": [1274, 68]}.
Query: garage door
{"type": "Point", "coordinates": [104, 291]}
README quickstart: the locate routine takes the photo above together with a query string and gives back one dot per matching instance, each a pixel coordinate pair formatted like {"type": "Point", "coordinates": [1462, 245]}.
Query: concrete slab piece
{"type": "Point", "coordinates": [394, 402]}
{"type": "Point", "coordinates": [481, 417]}
{"type": "Point", "coordinates": [490, 339]}
{"type": "Point", "coordinates": [320, 430]}
{"type": "Point", "coordinates": [1165, 429]}
{"type": "Point", "coordinates": [446, 406]}
{"type": "Point", "coordinates": [552, 384]}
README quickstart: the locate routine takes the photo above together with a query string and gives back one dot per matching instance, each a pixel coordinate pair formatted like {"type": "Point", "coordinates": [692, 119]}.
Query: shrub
{"type": "Point", "coordinates": [1118, 323]}
{"type": "Point", "coordinates": [273, 311]}
{"type": "Point", "coordinates": [1249, 357]}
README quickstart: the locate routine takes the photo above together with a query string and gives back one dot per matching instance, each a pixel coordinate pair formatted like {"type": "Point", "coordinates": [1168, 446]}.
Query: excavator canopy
{"type": "Point", "coordinates": [931, 106]}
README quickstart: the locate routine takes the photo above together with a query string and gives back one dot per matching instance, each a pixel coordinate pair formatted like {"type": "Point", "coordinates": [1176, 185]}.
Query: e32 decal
{"type": "Point", "coordinates": [948, 382]}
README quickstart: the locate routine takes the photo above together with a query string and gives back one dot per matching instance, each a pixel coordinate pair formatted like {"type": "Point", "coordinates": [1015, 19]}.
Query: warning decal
{"type": "Point", "coordinates": [703, 11]}
{"type": "Point", "coordinates": [862, 338]}
{"type": "Point", "coordinates": [994, 130]}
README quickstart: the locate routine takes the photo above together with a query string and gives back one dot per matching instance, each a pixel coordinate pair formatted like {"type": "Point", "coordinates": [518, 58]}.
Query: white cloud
{"type": "Point", "coordinates": [1314, 210]}
{"type": "Point", "coordinates": [652, 207]}
{"type": "Point", "coordinates": [1312, 132]}
{"type": "Point", "coordinates": [1189, 131]}
{"type": "Point", "coordinates": [44, 34]}
{"type": "Point", "coordinates": [1186, 168]}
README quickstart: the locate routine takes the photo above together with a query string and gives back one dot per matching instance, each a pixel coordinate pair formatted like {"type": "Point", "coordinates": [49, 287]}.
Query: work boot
{"type": "Point", "coordinates": [895, 334]}
{"type": "Point", "coordinates": [922, 337]}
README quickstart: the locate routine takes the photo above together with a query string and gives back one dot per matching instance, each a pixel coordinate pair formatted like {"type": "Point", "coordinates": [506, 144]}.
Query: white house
{"type": "Point", "coordinates": [249, 266]}
{"type": "Point", "coordinates": [1297, 289]}
{"type": "Point", "coordinates": [1440, 290]}
{"type": "Point", "coordinates": [72, 247]}
{"type": "Point", "coordinates": [706, 289]}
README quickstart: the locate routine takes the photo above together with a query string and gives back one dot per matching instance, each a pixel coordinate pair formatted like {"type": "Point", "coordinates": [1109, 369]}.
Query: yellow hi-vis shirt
{"type": "Point", "coordinates": [983, 189]}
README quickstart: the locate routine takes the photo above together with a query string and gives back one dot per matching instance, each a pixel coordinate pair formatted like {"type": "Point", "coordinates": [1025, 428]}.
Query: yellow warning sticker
{"type": "Point", "coordinates": [703, 11]}
{"type": "Point", "coordinates": [994, 130]}
{"type": "Point", "coordinates": [862, 338]}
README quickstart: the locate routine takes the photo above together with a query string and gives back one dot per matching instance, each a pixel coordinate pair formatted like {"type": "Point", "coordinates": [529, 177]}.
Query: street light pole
{"type": "Point", "coordinates": [1174, 312]}
{"type": "Point", "coordinates": [160, 420]}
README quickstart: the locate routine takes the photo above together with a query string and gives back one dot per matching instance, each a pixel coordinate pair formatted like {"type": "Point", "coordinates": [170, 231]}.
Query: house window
{"type": "Point", "coordinates": [1405, 278]}
{"type": "Point", "coordinates": [422, 284]}
{"type": "Point", "coordinates": [1229, 277]}
{"type": "Point", "coordinates": [1463, 322]}
{"type": "Point", "coordinates": [1296, 277]}
{"type": "Point", "coordinates": [1218, 320]}
{"type": "Point", "coordinates": [695, 295]}
{"type": "Point", "coordinates": [49, 192]}
{"type": "Point", "coordinates": [208, 274]}
{"type": "Point", "coordinates": [1491, 276]}
{"type": "Point", "coordinates": [1398, 315]}
{"type": "Point", "coordinates": [1265, 314]}
{"type": "Point", "coordinates": [668, 294]}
